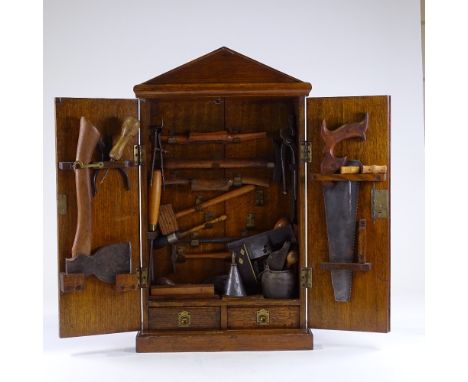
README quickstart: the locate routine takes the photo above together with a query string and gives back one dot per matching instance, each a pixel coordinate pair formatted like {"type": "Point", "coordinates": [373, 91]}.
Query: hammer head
{"type": "Point", "coordinates": [105, 263]}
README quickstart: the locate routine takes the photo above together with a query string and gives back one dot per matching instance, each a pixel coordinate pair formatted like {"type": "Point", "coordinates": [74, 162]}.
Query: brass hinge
{"type": "Point", "coordinates": [306, 277]}
{"type": "Point", "coordinates": [305, 154]}
{"type": "Point", "coordinates": [142, 274]}
{"type": "Point", "coordinates": [138, 154]}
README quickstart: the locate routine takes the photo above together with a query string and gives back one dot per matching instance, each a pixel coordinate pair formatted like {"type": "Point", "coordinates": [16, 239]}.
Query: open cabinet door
{"type": "Point", "coordinates": [349, 224]}
{"type": "Point", "coordinates": [88, 305]}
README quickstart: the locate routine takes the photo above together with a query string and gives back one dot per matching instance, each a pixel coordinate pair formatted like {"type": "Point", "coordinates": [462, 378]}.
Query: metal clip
{"type": "Point", "coordinates": [77, 165]}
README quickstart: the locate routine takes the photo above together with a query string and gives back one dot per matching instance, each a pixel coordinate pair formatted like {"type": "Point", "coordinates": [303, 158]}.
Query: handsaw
{"type": "Point", "coordinates": [341, 202]}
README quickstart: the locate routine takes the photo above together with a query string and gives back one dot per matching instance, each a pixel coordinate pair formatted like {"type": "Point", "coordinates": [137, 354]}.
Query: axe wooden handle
{"type": "Point", "coordinates": [129, 130]}
{"type": "Point", "coordinates": [87, 140]}
{"type": "Point", "coordinates": [154, 200]}
{"type": "Point", "coordinates": [213, 136]}
{"type": "Point", "coordinates": [219, 199]}
{"type": "Point", "coordinates": [176, 164]}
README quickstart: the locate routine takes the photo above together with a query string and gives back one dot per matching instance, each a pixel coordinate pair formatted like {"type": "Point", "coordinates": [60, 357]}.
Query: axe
{"type": "Point", "coordinates": [107, 261]}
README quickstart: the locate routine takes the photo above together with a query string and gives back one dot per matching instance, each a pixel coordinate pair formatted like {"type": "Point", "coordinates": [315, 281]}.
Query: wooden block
{"type": "Point", "coordinates": [126, 282]}
{"type": "Point", "coordinates": [374, 169]}
{"type": "Point", "coordinates": [72, 282]}
{"type": "Point", "coordinates": [183, 291]}
{"type": "Point", "coordinates": [350, 169]}
{"type": "Point", "coordinates": [167, 219]}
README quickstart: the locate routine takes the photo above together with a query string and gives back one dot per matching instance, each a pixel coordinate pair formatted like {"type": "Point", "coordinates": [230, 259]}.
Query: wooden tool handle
{"type": "Point", "coordinates": [292, 258]}
{"type": "Point", "coordinates": [197, 228]}
{"type": "Point", "coordinates": [374, 169]}
{"type": "Point", "coordinates": [174, 164]}
{"type": "Point", "coordinates": [362, 241]}
{"type": "Point", "coordinates": [330, 164]}
{"type": "Point", "coordinates": [214, 136]}
{"type": "Point", "coordinates": [208, 255]}
{"type": "Point", "coordinates": [219, 199]}
{"type": "Point", "coordinates": [88, 139]}
{"type": "Point", "coordinates": [154, 200]}
{"type": "Point", "coordinates": [129, 130]}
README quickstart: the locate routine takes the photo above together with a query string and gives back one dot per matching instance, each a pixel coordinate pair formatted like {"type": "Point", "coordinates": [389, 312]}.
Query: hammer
{"type": "Point", "coordinates": [107, 261]}
{"type": "Point", "coordinates": [168, 218]}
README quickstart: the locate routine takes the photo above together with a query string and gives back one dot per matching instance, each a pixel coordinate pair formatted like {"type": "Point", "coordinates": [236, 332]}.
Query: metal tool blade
{"type": "Point", "coordinates": [341, 201]}
{"type": "Point", "coordinates": [105, 263]}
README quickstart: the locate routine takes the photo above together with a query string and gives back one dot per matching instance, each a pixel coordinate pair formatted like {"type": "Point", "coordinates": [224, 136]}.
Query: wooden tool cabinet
{"type": "Point", "coordinates": [224, 90]}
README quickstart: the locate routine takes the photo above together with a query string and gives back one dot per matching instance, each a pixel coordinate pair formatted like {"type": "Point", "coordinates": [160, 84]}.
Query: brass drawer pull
{"type": "Point", "coordinates": [184, 319]}
{"type": "Point", "coordinates": [263, 317]}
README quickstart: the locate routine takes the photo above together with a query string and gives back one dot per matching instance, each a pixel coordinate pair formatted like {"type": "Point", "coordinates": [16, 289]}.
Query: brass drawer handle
{"type": "Point", "coordinates": [184, 319]}
{"type": "Point", "coordinates": [263, 317]}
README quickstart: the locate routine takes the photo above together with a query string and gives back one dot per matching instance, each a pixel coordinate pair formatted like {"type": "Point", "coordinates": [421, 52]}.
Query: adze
{"type": "Point", "coordinates": [107, 261]}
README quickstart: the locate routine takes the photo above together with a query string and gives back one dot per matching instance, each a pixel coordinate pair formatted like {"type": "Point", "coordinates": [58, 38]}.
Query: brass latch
{"type": "Point", "coordinates": [184, 319]}
{"type": "Point", "coordinates": [263, 317]}
{"type": "Point", "coordinates": [379, 204]}
{"type": "Point", "coordinates": [142, 274]}
{"type": "Point", "coordinates": [306, 277]}
{"type": "Point", "coordinates": [305, 154]}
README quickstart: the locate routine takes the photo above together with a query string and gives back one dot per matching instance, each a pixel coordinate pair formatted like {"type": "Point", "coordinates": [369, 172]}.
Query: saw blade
{"type": "Point", "coordinates": [341, 202]}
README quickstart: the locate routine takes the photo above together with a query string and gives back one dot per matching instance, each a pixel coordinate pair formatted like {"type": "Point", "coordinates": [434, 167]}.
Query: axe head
{"type": "Point", "coordinates": [105, 263]}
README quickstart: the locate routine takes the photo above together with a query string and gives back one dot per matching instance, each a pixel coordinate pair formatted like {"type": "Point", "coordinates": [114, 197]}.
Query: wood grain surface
{"type": "Point", "coordinates": [369, 308]}
{"type": "Point", "coordinates": [279, 317]}
{"type": "Point", "coordinates": [99, 308]}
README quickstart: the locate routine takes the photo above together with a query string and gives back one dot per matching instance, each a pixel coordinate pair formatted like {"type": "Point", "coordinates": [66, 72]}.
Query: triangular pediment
{"type": "Point", "coordinates": [222, 72]}
{"type": "Point", "coordinates": [223, 65]}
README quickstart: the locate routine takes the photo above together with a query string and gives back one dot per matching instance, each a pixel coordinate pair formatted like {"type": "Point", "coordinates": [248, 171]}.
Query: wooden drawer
{"type": "Point", "coordinates": [184, 318]}
{"type": "Point", "coordinates": [263, 317]}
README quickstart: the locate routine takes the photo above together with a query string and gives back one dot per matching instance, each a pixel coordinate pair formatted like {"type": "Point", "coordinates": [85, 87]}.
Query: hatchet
{"type": "Point", "coordinates": [107, 261]}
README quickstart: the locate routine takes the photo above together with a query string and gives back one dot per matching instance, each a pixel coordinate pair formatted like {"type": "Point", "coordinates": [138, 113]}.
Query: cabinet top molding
{"type": "Point", "coordinates": [222, 72]}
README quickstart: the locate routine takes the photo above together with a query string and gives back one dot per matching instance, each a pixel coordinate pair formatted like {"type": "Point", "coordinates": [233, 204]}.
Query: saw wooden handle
{"type": "Point", "coordinates": [129, 130]}
{"type": "Point", "coordinates": [219, 199]}
{"type": "Point", "coordinates": [154, 200]}
{"type": "Point", "coordinates": [330, 163]}
{"type": "Point", "coordinates": [88, 139]}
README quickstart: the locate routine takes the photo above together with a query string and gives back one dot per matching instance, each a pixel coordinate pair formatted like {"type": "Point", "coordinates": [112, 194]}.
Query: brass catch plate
{"type": "Point", "coordinates": [379, 204]}
{"type": "Point", "coordinates": [184, 319]}
{"type": "Point", "coordinates": [263, 317]}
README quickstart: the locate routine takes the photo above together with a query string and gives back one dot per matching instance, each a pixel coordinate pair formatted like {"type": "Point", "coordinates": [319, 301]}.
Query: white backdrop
{"type": "Point", "coordinates": [360, 47]}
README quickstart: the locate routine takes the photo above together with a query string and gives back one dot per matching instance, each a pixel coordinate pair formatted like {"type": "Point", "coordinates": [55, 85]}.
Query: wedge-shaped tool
{"type": "Point", "coordinates": [341, 200]}
{"type": "Point", "coordinates": [110, 260]}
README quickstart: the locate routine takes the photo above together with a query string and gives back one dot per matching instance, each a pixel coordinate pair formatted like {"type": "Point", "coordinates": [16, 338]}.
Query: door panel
{"type": "Point", "coordinates": [369, 306]}
{"type": "Point", "coordinates": [99, 308]}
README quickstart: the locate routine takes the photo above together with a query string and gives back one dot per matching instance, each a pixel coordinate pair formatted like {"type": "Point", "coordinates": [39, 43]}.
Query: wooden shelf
{"type": "Point", "coordinates": [349, 177]}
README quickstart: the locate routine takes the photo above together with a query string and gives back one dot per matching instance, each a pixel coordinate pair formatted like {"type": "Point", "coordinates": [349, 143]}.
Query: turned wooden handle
{"type": "Point", "coordinates": [330, 164]}
{"type": "Point", "coordinates": [292, 258]}
{"type": "Point", "coordinates": [176, 164]}
{"type": "Point", "coordinates": [129, 130]}
{"type": "Point", "coordinates": [374, 169]}
{"type": "Point", "coordinates": [362, 241]}
{"type": "Point", "coordinates": [219, 199]}
{"type": "Point", "coordinates": [212, 255]}
{"type": "Point", "coordinates": [213, 136]}
{"type": "Point", "coordinates": [197, 228]}
{"type": "Point", "coordinates": [88, 139]}
{"type": "Point", "coordinates": [154, 200]}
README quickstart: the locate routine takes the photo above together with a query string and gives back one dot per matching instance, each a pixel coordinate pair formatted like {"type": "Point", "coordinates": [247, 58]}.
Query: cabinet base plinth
{"type": "Point", "coordinates": [224, 340]}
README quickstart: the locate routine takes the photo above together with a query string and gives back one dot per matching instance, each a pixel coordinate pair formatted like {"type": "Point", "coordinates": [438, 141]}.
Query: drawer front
{"type": "Point", "coordinates": [184, 318]}
{"type": "Point", "coordinates": [263, 317]}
